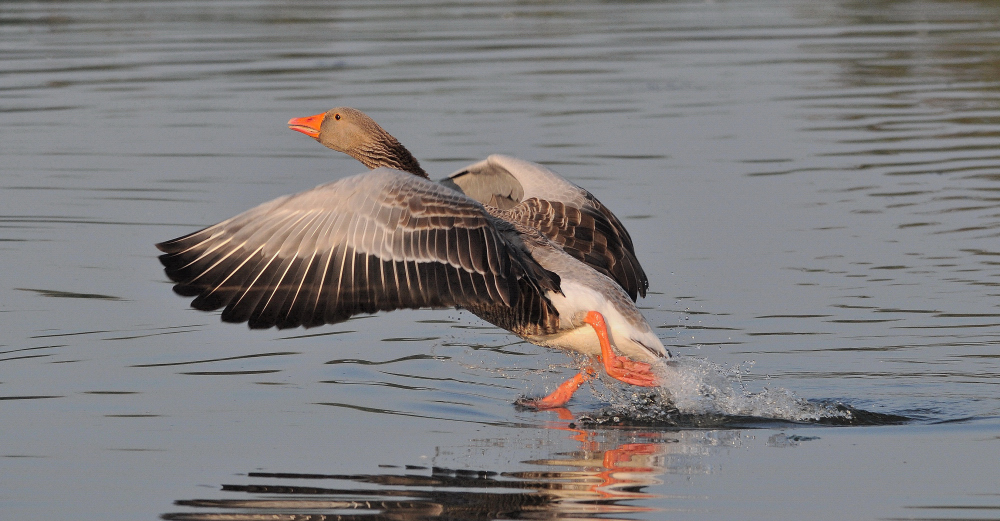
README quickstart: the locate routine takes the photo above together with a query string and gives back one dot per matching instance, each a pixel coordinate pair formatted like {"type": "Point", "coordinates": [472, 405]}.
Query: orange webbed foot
{"type": "Point", "coordinates": [629, 371]}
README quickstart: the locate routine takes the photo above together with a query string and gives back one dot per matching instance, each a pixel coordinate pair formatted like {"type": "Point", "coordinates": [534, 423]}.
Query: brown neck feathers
{"type": "Point", "coordinates": [390, 153]}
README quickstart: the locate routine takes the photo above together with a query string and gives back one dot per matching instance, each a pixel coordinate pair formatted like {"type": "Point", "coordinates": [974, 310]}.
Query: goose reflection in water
{"type": "Point", "coordinates": [606, 476]}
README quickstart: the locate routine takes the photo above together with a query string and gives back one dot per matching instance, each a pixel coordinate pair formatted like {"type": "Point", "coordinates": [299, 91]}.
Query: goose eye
{"type": "Point", "coordinates": [336, 117]}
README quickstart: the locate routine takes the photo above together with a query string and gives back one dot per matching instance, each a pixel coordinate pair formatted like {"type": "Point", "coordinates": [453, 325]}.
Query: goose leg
{"type": "Point", "coordinates": [619, 367]}
{"type": "Point", "coordinates": [562, 394]}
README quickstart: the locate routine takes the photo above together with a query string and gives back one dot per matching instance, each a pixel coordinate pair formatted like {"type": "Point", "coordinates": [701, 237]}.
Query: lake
{"type": "Point", "coordinates": [813, 189]}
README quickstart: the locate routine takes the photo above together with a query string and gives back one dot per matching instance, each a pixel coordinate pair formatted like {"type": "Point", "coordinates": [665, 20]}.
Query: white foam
{"type": "Point", "coordinates": [699, 387]}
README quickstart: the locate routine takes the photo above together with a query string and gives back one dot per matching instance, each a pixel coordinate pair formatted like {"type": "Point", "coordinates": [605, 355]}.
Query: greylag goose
{"type": "Point", "coordinates": [536, 196]}
{"type": "Point", "coordinates": [391, 239]}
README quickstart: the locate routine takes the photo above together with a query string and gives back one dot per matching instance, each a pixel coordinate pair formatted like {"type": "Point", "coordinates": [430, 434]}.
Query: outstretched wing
{"type": "Point", "coordinates": [565, 213]}
{"type": "Point", "coordinates": [377, 241]}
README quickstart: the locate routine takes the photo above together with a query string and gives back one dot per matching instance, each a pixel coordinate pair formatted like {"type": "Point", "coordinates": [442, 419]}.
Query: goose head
{"type": "Point", "coordinates": [352, 132]}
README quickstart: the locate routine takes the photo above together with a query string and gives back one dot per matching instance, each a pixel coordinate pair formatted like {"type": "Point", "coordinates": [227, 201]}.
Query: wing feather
{"type": "Point", "coordinates": [570, 216]}
{"type": "Point", "coordinates": [374, 242]}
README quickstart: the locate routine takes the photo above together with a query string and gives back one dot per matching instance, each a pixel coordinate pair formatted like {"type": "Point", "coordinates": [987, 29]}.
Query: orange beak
{"type": "Point", "coordinates": [309, 125]}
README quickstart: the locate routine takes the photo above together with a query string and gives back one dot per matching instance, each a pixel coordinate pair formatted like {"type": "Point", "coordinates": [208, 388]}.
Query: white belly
{"type": "Point", "coordinates": [582, 340]}
{"type": "Point", "coordinates": [584, 290]}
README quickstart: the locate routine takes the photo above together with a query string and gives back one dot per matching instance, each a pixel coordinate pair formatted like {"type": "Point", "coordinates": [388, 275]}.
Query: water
{"type": "Point", "coordinates": [813, 190]}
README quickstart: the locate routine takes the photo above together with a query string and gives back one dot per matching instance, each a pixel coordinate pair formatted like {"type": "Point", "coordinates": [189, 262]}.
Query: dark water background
{"type": "Point", "coordinates": [814, 190]}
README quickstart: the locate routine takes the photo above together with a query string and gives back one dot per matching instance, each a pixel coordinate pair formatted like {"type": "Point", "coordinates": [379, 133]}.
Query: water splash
{"type": "Point", "coordinates": [698, 393]}
{"type": "Point", "coordinates": [698, 386]}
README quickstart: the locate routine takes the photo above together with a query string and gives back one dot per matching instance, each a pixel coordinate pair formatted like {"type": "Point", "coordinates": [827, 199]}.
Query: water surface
{"type": "Point", "coordinates": [812, 188]}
